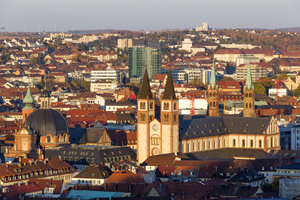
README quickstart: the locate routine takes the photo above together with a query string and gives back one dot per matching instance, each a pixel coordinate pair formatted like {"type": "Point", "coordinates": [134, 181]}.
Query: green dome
{"type": "Point", "coordinates": [28, 99]}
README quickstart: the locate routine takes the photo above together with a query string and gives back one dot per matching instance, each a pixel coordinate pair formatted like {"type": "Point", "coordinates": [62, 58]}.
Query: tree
{"type": "Point", "coordinates": [227, 79]}
{"type": "Point", "coordinates": [259, 88]}
{"type": "Point", "coordinates": [283, 75]}
{"type": "Point", "coordinates": [296, 92]}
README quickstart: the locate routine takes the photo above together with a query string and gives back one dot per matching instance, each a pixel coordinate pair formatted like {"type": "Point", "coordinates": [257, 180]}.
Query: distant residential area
{"type": "Point", "coordinates": [200, 113]}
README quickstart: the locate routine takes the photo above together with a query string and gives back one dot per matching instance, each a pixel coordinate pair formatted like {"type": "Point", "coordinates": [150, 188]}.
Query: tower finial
{"type": "Point", "coordinates": [212, 82]}
{"type": "Point", "coordinates": [28, 99]}
{"type": "Point", "coordinates": [249, 83]}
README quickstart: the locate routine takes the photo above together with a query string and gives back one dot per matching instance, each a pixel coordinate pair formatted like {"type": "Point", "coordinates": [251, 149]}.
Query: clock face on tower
{"type": "Point", "coordinates": [155, 127]}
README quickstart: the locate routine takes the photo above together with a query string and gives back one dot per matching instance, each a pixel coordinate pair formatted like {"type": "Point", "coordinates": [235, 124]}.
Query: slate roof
{"type": "Point", "coordinates": [287, 107]}
{"type": "Point", "coordinates": [94, 172]}
{"type": "Point", "coordinates": [295, 166]}
{"type": "Point", "coordinates": [90, 154]}
{"type": "Point", "coordinates": [213, 126]}
{"type": "Point", "coordinates": [92, 135]}
{"type": "Point", "coordinates": [121, 103]}
{"type": "Point", "coordinates": [228, 154]}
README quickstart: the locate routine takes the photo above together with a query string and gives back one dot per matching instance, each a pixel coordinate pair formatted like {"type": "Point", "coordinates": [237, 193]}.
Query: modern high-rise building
{"type": "Point", "coordinates": [145, 55]}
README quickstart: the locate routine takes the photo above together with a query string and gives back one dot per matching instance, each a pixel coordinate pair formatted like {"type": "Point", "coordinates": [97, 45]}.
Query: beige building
{"type": "Point", "coordinates": [103, 85]}
{"type": "Point", "coordinates": [257, 71]}
{"type": "Point", "coordinates": [292, 83]}
{"type": "Point", "coordinates": [156, 137]}
{"type": "Point", "coordinates": [198, 133]}
{"type": "Point", "coordinates": [124, 43]}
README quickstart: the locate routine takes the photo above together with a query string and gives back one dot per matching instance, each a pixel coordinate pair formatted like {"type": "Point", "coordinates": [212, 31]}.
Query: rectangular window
{"type": "Point", "coordinates": [174, 118]}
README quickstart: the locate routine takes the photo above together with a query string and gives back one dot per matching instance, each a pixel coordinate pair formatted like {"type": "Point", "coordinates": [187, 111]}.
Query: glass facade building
{"type": "Point", "coordinates": [142, 57]}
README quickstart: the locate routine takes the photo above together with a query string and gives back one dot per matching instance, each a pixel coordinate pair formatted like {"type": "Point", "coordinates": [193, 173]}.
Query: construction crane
{"type": "Point", "coordinates": [192, 104]}
{"type": "Point", "coordinates": [277, 81]}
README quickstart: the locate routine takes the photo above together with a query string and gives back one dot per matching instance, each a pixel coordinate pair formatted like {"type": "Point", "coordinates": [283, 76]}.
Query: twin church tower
{"type": "Point", "coordinates": [213, 95]}
{"type": "Point", "coordinates": [157, 136]}
{"type": "Point", "coordinates": [161, 135]}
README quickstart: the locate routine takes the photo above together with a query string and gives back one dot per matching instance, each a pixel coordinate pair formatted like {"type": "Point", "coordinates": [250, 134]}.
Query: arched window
{"type": "Point", "coordinates": [259, 143]}
{"type": "Point", "coordinates": [48, 139]}
{"type": "Point", "coordinates": [243, 143]}
{"type": "Point", "coordinates": [143, 105]}
{"type": "Point", "coordinates": [214, 104]}
{"type": "Point", "coordinates": [246, 105]}
{"type": "Point", "coordinates": [42, 104]}
{"type": "Point", "coordinates": [203, 145]}
{"type": "Point", "coordinates": [251, 143]}
{"type": "Point", "coordinates": [246, 95]}
{"type": "Point", "coordinates": [143, 117]}
{"type": "Point", "coordinates": [249, 105]}
{"type": "Point", "coordinates": [210, 104]}
{"type": "Point", "coordinates": [233, 142]}
{"type": "Point", "coordinates": [151, 105]}
{"type": "Point", "coordinates": [166, 116]}
{"type": "Point", "coordinates": [166, 106]}
{"type": "Point", "coordinates": [271, 141]}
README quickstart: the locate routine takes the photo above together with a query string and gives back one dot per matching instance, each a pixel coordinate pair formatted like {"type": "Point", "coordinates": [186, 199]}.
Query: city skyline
{"type": "Point", "coordinates": [33, 15]}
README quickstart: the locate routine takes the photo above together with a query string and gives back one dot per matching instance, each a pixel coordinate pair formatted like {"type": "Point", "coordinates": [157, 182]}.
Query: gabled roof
{"type": "Point", "coordinates": [94, 172]}
{"type": "Point", "coordinates": [92, 135]}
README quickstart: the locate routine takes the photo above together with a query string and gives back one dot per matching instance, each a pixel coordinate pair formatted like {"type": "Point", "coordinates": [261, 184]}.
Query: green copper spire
{"type": "Point", "coordinates": [212, 83]}
{"type": "Point", "coordinates": [249, 83]}
{"type": "Point", "coordinates": [28, 99]}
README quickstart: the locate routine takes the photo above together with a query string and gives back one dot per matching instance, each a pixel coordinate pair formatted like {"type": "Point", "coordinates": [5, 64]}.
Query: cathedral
{"type": "Point", "coordinates": [172, 133]}
{"type": "Point", "coordinates": [157, 136]}
{"type": "Point", "coordinates": [42, 128]}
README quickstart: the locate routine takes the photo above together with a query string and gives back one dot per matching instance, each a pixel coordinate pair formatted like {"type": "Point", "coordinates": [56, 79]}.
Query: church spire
{"type": "Point", "coordinates": [169, 92]}
{"type": "Point", "coordinates": [28, 99]}
{"type": "Point", "coordinates": [212, 82]}
{"type": "Point", "coordinates": [145, 91]}
{"type": "Point", "coordinates": [249, 84]}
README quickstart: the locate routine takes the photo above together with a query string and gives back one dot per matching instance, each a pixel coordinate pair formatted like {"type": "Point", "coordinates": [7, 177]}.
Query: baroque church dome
{"type": "Point", "coordinates": [46, 122]}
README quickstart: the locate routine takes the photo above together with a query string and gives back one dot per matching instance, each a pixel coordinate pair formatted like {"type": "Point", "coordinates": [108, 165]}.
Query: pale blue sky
{"type": "Point", "coordinates": [25, 15]}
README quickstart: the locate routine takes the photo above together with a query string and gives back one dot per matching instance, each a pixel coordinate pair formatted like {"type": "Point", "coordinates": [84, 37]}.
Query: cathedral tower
{"type": "Point", "coordinates": [28, 101]}
{"type": "Point", "coordinates": [169, 118]}
{"type": "Point", "coordinates": [213, 94]}
{"type": "Point", "coordinates": [249, 109]}
{"type": "Point", "coordinates": [45, 98]}
{"type": "Point", "coordinates": [145, 114]}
